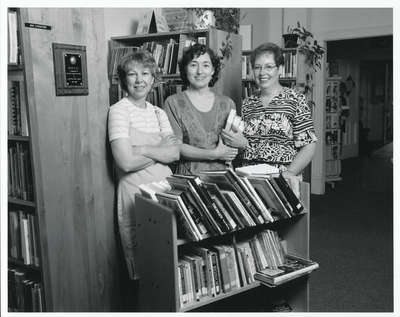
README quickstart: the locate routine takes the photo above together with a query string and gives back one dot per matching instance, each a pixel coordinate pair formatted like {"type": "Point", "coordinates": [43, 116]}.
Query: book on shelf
{"type": "Point", "coordinates": [25, 294]}
{"type": "Point", "coordinates": [13, 46]}
{"type": "Point", "coordinates": [23, 244]}
{"type": "Point", "coordinates": [20, 182]}
{"type": "Point", "coordinates": [17, 112]}
{"type": "Point", "coordinates": [292, 267]}
{"type": "Point", "coordinates": [193, 194]}
{"type": "Point", "coordinates": [187, 224]}
{"type": "Point", "coordinates": [228, 180]}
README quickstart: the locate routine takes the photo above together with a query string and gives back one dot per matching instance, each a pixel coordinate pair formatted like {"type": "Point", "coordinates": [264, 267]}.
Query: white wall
{"type": "Point", "coordinates": [122, 21]}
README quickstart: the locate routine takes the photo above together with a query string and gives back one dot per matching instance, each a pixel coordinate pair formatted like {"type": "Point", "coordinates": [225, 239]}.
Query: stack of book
{"type": "Point", "coordinates": [217, 202]}
{"type": "Point", "coordinates": [24, 293]}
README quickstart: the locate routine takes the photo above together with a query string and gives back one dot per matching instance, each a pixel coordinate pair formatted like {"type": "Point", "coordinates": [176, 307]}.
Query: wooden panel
{"type": "Point", "coordinates": [157, 248]}
{"type": "Point", "coordinates": [230, 82]}
{"type": "Point", "coordinates": [71, 146]}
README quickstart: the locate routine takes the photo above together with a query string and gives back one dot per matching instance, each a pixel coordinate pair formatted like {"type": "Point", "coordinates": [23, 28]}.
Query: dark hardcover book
{"type": "Point", "coordinates": [226, 181]}
{"type": "Point", "coordinates": [292, 268]}
{"type": "Point", "coordinates": [267, 193]}
{"type": "Point", "coordinates": [216, 272]}
{"type": "Point", "coordinates": [222, 204]}
{"type": "Point", "coordinates": [281, 195]}
{"type": "Point", "coordinates": [290, 195]}
{"type": "Point", "coordinates": [192, 210]}
{"type": "Point", "coordinates": [263, 208]}
{"type": "Point", "coordinates": [237, 206]}
{"type": "Point", "coordinates": [205, 254]}
{"type": "Point", "coordinates": [186, 184]}
{"type": "Point", "coordinates": [188, 227]}
{"type": "Point", "coordinates": [223, 268]}
{"type": "Point", "coordinates": [210, 204]}
{"type": "Point", "coordinates": [216, 191]}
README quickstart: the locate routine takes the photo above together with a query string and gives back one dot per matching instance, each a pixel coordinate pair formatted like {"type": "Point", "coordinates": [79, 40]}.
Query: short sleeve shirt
{"type": "Point", "coordinates": [277, 132]}
{"type": "Point", "coordinates": [197, 128]}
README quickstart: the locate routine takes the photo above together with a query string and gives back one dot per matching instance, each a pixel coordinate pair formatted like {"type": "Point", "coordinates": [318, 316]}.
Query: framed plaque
{"type": "Point", "coordinates": [70, 70]}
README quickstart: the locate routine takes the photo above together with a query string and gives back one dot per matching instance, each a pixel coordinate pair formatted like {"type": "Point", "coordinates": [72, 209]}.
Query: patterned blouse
{"type": "Point", "coordinates": [276, 132]}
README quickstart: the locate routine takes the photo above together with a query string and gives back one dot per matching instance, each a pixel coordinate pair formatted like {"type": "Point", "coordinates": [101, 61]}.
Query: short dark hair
{"type": "Point", "coordinates": [142, 57]}
{"type": "Point", "coordinates": [195, 51]}
{"type": "Point", "coordinates": [268, 48]}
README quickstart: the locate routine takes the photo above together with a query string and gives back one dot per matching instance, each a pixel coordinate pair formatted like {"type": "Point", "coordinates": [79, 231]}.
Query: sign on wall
{"type": "Point", "coordinates": [70, 69]}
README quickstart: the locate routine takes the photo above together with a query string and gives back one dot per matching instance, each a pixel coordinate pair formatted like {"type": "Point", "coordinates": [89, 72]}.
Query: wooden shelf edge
{"type": "Point", "coordinates": [261, 226]}
{"type": "Point", "coordinates": [155, 35]}
{"type": "Point", "coordinates": [207, 301]}
{"type": "Point", "coordinates": [22, 138]}
{"type": "Point", "coordinates": [16, 201]}
{"type": "Point", "coordinates": [12, 67]}
{"type": "Point", "coordinates": [21, 264]}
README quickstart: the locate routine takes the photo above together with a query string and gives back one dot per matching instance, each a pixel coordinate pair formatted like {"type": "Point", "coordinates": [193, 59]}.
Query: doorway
{"type": "Point", "coordinates": [365, 68]}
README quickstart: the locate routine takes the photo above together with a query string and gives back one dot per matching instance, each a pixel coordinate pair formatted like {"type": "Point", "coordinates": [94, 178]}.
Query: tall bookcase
{"type": "Point", "coordinates": [27, 286]}
{"type": "Point", "coordinates": [229, 80]}
{"type": "Point", "coordinates": [71, 175]}
{"type": "Point", "coordinates": [332, 131]}
{"type": "Point", "coordinates": [159, 247]}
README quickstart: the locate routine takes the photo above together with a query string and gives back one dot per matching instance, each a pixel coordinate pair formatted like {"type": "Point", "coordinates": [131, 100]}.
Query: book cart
{"type": "Point", "coordinates": [26, 287]}
{"type": "Point", "coordinates": [158, 248]}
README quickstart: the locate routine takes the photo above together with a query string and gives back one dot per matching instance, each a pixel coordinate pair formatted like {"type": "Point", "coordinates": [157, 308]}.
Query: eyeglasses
{"type": "Point", "coordinates": [268, 68]}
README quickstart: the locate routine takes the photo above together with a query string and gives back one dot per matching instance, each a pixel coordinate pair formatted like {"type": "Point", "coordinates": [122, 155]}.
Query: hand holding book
{"type": "Point", "coordinates": [232, 135]}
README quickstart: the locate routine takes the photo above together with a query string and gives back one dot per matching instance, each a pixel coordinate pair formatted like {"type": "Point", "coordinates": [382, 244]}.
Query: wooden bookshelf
{"type": "Point", "coordinates": [17, 72]}
{"type": "Point", "coordinates": [73, 189]}
{"type": "Point", "coordinates": [157, 261]}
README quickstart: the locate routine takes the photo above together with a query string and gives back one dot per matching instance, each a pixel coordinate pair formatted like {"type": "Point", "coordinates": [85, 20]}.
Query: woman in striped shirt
{"type": "Point", "coordinates": [278, 121]}
{"type": "Point", "coordinates": [142, 143]}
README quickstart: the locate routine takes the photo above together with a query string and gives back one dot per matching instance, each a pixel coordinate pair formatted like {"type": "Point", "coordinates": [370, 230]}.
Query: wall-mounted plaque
{"type": "Point", "coordinates": [70, 69]}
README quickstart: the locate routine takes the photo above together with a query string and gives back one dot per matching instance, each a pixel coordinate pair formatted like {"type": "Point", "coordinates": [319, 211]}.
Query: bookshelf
{"type": "Point", "coordinates": [159, 249]}
{"type": "Point", "coordinates": [333, 143]}
{"type": "Point", "coordinates": [158, 43]}
{"type": "Point", "coordinates": [26, 283]}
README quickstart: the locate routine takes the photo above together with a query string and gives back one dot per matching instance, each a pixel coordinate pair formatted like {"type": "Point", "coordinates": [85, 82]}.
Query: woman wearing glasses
{"type": "Point", "coordinates": [278, 122]}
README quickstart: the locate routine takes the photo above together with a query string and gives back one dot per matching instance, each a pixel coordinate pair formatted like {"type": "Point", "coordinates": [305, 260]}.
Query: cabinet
{"type": "Point", "coordinates": [27, 286]}
{"type": "Point", "coordinates": [159, 248]}
{"type": "Point", "coordinates": [229, 79]}
{"type": "Point", "coordinates": [332, 135]}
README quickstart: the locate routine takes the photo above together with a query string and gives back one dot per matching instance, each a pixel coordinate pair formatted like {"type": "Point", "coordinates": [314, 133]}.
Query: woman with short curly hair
{"type": "Point", "coordinates": [198, 115]}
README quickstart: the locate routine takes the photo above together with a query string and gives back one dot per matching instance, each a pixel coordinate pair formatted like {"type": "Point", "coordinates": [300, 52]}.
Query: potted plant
{"type": "Point", "coordinates": [308, 46]}
{"type": "Point", "coordinates": [290, 38]}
